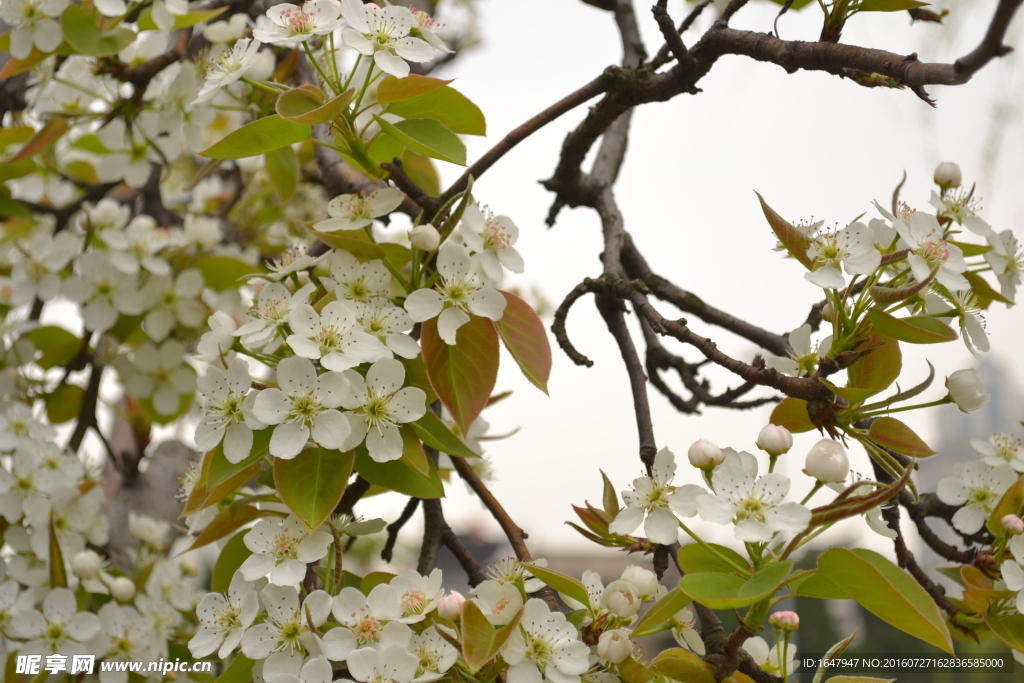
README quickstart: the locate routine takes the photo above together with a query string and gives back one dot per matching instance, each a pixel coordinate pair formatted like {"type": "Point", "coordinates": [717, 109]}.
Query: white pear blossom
{"type": "Point", "coordinates": [225, 31]}
{"type": "Point", "coordinates": [159, 373]}
{"type": "Point", "coordinates": [223, 619]}
{"type": "Point", "coordinates": [929, 250]}
{"type": "Point", "coordinates": [853, 247]}
{"type": "Point", "coordinates": [659, 501]}
{"type": "Point", "coordinates": [287, 24]}
{"type": "Point", "coordinates": [129, 638]}
{"type": "Point", "coordinates": [291, 261]}
{"type": "Point", "coordinates": [428, 27]}
{"type": "Point", "coordinates": [492, 238]}
{"type": "Point", "coordinates": [229, 411]}
{"type": "Point", "coordinates": [435, 655]}
{"type": "Point", "coordinates": [545, 645]}
{"type": "Point", "coordinates": [289, 667]}
{"type": "Point", "coordinates": [419, 595]}
{"type": "Point", "coordinates": [286, 628]}
{"type": "Point", "coordinates": [273, 305]}
{"type": "Point", "coordinates": [164, 12]}
{"type": "Point", "coordinates": [769, 659]}
{"type": "Point", "coordinates": [754, 505]}
{"type": "Point", "coordinates": [1000, 449]}
{"type": "Point", "coordinates": [59, 629]}
{"type": "Point", "coordinates": [32, 23]}
{"type": "Point", "coordinates": [1007, 262]}
{"type": "Point", "coordinates": [135, 247]}
{"type": "Point", "coordinates": [228, 67]}
{"type": "Point", "coordinates": [355, 211]}
{"type": "Point", "coordinates": [215, 345]}
{"type": "Point", "coordinates": [500, 602]}
{"type": "Point", "coordinates": [36, 272]}
{"type": "Point", "coordinates": [172, 301]}
{"type": "Point", "coordinates": [462, 291]}
{"type": "Point", "coordinates": [378, 404]}
{"type": "Point", "coordinates": [961, 207]}
{"type": "Point", "coordinates": [333, 336]}
{"type": "Point", "coordinates": [384, 34]}
{"type": "Point", "coordinates": [968, 313]}
{"type": "Point", "coordinates": [684, 632]}
{"type": "Point", "coordinates": [388, 323]}
{"type": "Point", "coordinates": [804, 358]}
{"type": "Point", "coordinates": [393, 665]}
{"type": "Point", "coordinates": [364, 620]}
{"type": "Point", "coordinates": [103, 291]}
{"type": "Point", "coordinates": [976, 487]}
{"type": "Point", "coordinates": [281, 549]}
{"type": "Point", "coordinates": [354, 281]}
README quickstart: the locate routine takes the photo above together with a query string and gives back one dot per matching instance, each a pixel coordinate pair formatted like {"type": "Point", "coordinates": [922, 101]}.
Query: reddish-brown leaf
{"type": "Point", "coordinates": [463, 375]}
{"type": "Point", "coordinates": [527, 340]}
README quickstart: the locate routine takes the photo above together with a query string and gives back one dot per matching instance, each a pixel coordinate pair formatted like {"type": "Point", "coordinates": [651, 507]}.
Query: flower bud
{"type": "Point", "coordinates": [827, 462]}
{"type": "Point", "coordinates": [774, 440]}
{"type": "Point", "coordinates": [705, 455]}
{"type": "Point", "coordinates": [966, 390]}
{"type": "Point", "coordinates": [122, 589]}
{"type": "Point", "coordinates": [787, 621]}
{"type": "Point", "coordinates": [262, 66]}
{"type": "Point", "coordinates": [615, 646]}
{"type": "Point", "coordinates": [86, 564]}
{"type": "Point", "coordinates": [450, 606]}
{"type": "Point", "coordinates": [425, 237]}
{"type": "Point", "coordinates": [621, 598]}
{"type": "Point", "coordinates": [645, 580]}
{"type": "Point", "coordinates": [947, 174]}
{"type": "Point", "coordinates": [1013, 524]}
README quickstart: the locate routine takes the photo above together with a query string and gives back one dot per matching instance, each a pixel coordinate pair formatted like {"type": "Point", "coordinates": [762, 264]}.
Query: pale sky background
{"type": "Point", "coordinates": [812, 144]}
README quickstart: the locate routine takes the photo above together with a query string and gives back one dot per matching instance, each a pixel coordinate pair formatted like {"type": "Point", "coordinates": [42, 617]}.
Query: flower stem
{"type": "Point", "coordinates": [261, 86]}
{"type": "Point", "coordinates": [945, 399]}
{"type": "Point", "coordinates": [817, 487]}
{"type": "Point", "coordinates": [319, 69]}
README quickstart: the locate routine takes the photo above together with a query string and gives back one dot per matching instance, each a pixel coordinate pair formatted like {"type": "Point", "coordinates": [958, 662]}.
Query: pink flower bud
{"type": "Point", "coordinates": [122, 589]}
{"type": "Point", "coordinates": [704, 455]}
{"type": "Point", "coordinates": [947, 174]}
{"type": "Point", "coordinates": [621, 598]}
{"type": "Point", "coordinates": [450, 606]}
{"type": "Point", "coordinates": [827, 462]}
{"type": "Point", "coordinates": [774, 440]}
{"type": "Point", "coordinates": [615, 646]}
{"type": "Point", "coordinates": [967, 390]}
{"type": "Point", "coordinates": [1013, 524]}
{"type": "Point", "coordinates": [787, 621]}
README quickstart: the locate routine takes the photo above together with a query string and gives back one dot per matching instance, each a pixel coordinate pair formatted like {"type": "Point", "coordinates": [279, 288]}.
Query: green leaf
{"type": "Point", "coordinates": [447, 105]}
{"type": "Point", "coordinates": [435, 434]}
{"type": "Point", "coordinates": [695, 558]}
{"type": "Point", "coordinates": [355, 242]}
{"type": "Point", "coordinates": [890, 433]}
{"type": "Point", "coordinates": [428, 137]}
{"type": "Point", "coordinates": [480, 641]}
{"type": "Point", "coordinates": [888, 5]}
{"type": "Point", "coordinates": [44, 138]}
{"type": "Point", "coordinates": [983, 290]}
{"type": "Point", "coordinates": [224, 272]}
{"type": "Point", "coordinates": [412, 450]}
{"type": "Point", "coordinates": [416, 376]}
{"type": "Point", "coordinates": [14, 135]}
{"type": "Point", "coordinates": [84, 36]}
{"type": "Point", "coordinates": [568, 585]}
{"type": "Point", "coordinates": [814, 584]}
{"type": "Point", "coordinates": [258, 137]}
{"type": "Point", "coordinates": [879, 368]}
{"type": "Point", "coordinates": [795, 242]}
{"type": "Point", "coordinates": [727, 591]}
{"type": "Point", "coordinates": [192, 18]}
{"type": "Point", "coordinates": [609, 497]}
{"type": "Point", "coordinates": [682, 665]}
{"type": "Point", "coordinates": [64, 403]}
{"type": "Point", "coordinates": [971, 249]}
{"type": "Point", "coordinates": [59, 346]}
{"type": "Point", "coordinates": [393, 89]}
{"type": "Point", "coordinates": [283, 171]}
{"type": "Point", "coordinates": [220, 478]}
{"type": "Point", "coordinates": [311, 483]}
{"type": "Point", "coordinates": [914, 330]}
{"type": "Point", "coordinates": [374, 579]}
{"type": "Point", "coordinates": [661, 612]}
{"type": "Point", "coordinates": [1008, 628]}
{"type": "Point", "coordinates": [399, 475]}
{"type": "Point", "coordinates": [463, 376]}
{"type": "Point", "coordinates": [385, 148]}
{"type": "Point", "coordinates": [791, 413]}
{"type": "Point", "coordinates": [888, 592]}
{"type": "Point", "coordinates": [239, 671]}
{"type": "Point", "coordinates": [14, 66]}
{"type": "Point", "coordinates": [421, 171]}
{"type": "Point", "coordinates": [307, 105]}
{"type": "Point", "coordinates": [231, 557]}
{"type": "Point", "coordinates": [13, 208]}
{"type": "Point", "coordinates": [526, 339]}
